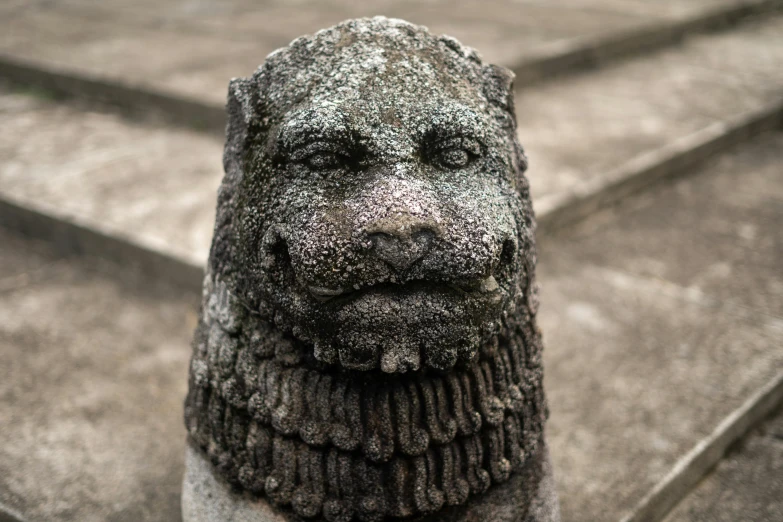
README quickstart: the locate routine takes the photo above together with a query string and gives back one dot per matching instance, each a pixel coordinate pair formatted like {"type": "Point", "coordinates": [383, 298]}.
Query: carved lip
{"type": "Point", "coordinates": [486, 287]}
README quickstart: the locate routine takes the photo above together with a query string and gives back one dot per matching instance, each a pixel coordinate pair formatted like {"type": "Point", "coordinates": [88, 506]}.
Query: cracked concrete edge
{"type": "Point", "coordinates": [69, 235]}
{"type": "Point", "coordinates": [9, 515]}
{"type": "Point", "coordinates": [691, 468]}
{"type": "Point", "coordinates": [672, 160]}
{"type": "Point", "coordinates": [73, 235]}
{"type": "Point", "coordinates": [582, 54]}
{"type": "Point", "coordinates": [552, 61]}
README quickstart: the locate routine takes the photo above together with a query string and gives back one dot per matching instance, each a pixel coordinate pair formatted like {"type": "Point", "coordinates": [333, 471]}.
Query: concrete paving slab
{"type": "Point", "coordinates": [92, 379]}
{"type": "Point", "coordinates": [582, 128]}
{"type": "Point", "coordinates": [113, 40]}
{"type": "Point", "coordinates": [746, 485]}
{"type": "Point", "coordinates": [110, 48]}
{"type": "Point", "coordinates": [276, 23]}
{"type": "Point", "coordinates": [637, 373]}
{"type": "Point", "coordinates": [660, 352]}
{"type": "Point", "coordinates": [502, 32]}
{"type": "Point", "coordinates": [155, 185]}
{"type": "Point", "coordinates": [733, 223]}
{"type": "Point", "coordinates": [661, 8]}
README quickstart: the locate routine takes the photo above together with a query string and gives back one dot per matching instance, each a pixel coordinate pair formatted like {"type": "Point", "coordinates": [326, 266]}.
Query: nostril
{"type": "Point", "coordinates": [423, 236]}
{"type": "Point", "coordinates": [381, 239]}
{"type": "Point", "coordinates": [274, 250]}
{"type": "Point", "coordinates": [401, 251]}
{"type": "Point", "coordinates": [508, 253]}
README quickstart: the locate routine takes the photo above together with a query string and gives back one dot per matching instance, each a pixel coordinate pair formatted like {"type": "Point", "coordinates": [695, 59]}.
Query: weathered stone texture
{"type": "Point", "coordinates": [367, 346]}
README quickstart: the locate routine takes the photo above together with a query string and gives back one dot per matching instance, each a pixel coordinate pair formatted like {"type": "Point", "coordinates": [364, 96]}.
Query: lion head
{"type": "Point", "coordinates": [373, 254]}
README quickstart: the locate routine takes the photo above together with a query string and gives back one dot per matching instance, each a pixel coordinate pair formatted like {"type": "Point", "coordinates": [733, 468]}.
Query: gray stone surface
{"type": "Point", "coordinates": [151, 184]}
{"type": "Point", "coordinates": [640, 365]}
{"type": "Point", "coordinates": [733, 223]}
{"type": "Point", "coordinates": [582, 128]}
{"type": "Point", "coordinates": [92, 379]}
{"type": "Point", "coordinates": [193, 48]}
{"type": "Point", "coordinates": [746, 485]}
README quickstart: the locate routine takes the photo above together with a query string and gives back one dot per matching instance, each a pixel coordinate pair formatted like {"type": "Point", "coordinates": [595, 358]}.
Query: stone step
{"type": "Point", "coordinates": [175, 59]}
{"type": "Point", "coordinates": [118, 182]}
{"type": "Point", "coordinates": [650, 116]}
{"type": "Point", "coordinates": [663, 319]}
{"type": "Point", "coordinates": [93, 374]}
{"type": "Point", "coordinates": [746, 485]}
{"type": "Point", "coordinates": [694, 465]}
{"type": "Point", "coordinates": [144, 193]}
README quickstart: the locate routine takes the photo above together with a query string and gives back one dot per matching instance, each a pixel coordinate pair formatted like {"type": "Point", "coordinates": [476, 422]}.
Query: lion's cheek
{"type": "Point", "coordinates": [321, 251]}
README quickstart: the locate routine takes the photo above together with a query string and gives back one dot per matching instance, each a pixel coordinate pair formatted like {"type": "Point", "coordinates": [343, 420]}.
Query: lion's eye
{"type": "Point", "coordinates": [455, 158]}
{"type": "Point", "coordinates": [324, 160]}
{"type": "Point", "coordinates": [321, 156]}
{"type": "Point", "coordinates": [456, 153]}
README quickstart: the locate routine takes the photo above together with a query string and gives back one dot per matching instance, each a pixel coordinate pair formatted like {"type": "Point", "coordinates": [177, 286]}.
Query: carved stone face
{"type": "Point", "coordinates": [379, 213]}
{"type": "Point", "coordinates": [367, 347]}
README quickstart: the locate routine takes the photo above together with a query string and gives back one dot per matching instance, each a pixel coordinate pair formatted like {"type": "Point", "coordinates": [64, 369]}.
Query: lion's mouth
{"type": "Point", "coordinates": [483, 287]}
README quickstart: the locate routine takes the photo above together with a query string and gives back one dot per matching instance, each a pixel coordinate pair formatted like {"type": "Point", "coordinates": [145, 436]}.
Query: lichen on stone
{"type": "Point", "coordinates": [367, 346]}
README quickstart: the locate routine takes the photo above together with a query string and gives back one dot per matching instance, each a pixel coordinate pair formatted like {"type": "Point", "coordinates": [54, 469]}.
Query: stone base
{"type": "Point", "coordinates": [206, 497]}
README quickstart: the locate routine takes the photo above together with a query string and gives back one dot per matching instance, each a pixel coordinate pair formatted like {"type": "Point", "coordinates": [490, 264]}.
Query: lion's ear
{"type": "Point", "coordinates": [242, 99]}
{"type": "Point", "coordinates": [499, 88]}
{"type": "Point", "coordinates": [241, 108]}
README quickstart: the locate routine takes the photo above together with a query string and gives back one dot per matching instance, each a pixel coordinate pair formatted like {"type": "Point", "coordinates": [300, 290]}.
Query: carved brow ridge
{"type": "Point", "coordinates": [454, 120]}
{"type": "Point", "coordinates": [437, 123]}
{"type": "Point", "coordinates": [306, 126]}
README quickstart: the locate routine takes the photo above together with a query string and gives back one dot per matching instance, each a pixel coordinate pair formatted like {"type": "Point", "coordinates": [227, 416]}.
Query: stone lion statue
{"type": "Point", "coordinates": [367, 347]}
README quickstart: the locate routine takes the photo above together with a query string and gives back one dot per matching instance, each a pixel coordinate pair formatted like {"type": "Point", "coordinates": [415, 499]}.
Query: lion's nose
{"type": "Point", "coordinates": [401, 243]}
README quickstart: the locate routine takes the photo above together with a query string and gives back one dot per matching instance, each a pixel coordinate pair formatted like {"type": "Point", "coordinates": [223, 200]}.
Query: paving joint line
{"type": "Point", "coordinates": [72, 236]}
{"type": "Point", "coordinates": [707, 453]}
{"type": "Point", "coordinates": [585, 54]}
{"type": "Point", "coordinates": [141, 101]}
{"type": "Point", "coordinates": [674, 159]}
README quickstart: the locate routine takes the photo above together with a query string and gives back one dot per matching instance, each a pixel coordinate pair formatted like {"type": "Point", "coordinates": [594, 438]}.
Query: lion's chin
{"type": "Point", "coordinates": [400, 328]}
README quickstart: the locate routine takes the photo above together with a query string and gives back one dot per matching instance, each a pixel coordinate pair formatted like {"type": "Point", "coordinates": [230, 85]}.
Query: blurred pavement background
{"type": "Point", "coordinates": [654, 136]}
